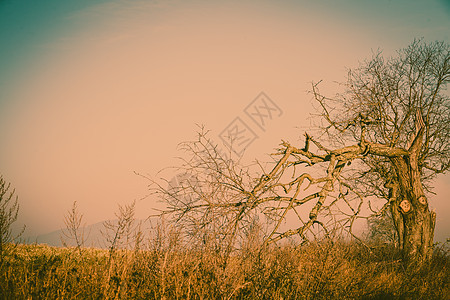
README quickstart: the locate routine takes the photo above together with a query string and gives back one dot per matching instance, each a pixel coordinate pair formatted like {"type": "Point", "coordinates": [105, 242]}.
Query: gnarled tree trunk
{"type": "Point", "coordinates": [411, 213]}
{"type": "Point", "coordinates": [412, 216]}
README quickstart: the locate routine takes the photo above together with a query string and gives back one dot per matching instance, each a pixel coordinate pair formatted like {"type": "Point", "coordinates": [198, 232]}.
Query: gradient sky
{"type": "Point", "coordinates": [91, 91]}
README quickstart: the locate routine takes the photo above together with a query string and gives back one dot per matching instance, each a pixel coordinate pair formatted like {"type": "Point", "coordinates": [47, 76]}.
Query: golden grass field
{"type": "Point", "coordinates": [339, 270]}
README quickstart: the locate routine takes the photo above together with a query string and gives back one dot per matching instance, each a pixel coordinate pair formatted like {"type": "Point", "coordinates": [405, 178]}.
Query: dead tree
{"type": "Point", "coordinates": [397, 111]}
{"type": "Point", "coordinates": [385, 136]}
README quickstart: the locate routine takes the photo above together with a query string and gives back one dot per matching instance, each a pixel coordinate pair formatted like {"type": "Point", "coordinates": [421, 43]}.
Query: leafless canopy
{"type": "Point", "coordinates": [384, 102]}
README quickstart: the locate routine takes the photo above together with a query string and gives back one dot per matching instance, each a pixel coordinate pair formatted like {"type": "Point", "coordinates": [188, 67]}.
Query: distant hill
{"type": "Point", "coordinates": [93, 236]}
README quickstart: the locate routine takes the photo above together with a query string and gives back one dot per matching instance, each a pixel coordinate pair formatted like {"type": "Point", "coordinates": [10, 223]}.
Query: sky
{"type": "Point", "coordinates": [93, 91]}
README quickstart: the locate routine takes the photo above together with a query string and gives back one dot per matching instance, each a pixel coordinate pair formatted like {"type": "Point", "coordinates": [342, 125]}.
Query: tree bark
{"type": "Point", "coordinates": [394, 205]}
{"type": "Point", "coordinates": [409, 206]}
{"type": "Point", "coordinates": [412, 217]}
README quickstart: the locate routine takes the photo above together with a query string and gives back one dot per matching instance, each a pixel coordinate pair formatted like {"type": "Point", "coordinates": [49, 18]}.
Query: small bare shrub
{"type": "Point", "coordinates": [9, 209]}
{"type": "Point", "coordinates": [74, 231]}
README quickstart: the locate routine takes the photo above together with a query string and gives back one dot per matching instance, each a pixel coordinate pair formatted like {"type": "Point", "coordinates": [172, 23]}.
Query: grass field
{"type": "Point", "coordinates": [317, 271]}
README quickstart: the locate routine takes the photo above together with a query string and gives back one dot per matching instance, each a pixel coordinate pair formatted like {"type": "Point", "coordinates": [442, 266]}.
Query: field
{"type": "Point", "coordinates": [338, 270]}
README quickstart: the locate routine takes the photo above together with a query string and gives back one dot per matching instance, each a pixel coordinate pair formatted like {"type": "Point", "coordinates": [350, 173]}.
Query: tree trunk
{"type": "Point", "coordinates": [418, 235]}
{"type": "Point", "coordinates": [412, 217]}
{"type": "Point", "coordinates": [397, 217]}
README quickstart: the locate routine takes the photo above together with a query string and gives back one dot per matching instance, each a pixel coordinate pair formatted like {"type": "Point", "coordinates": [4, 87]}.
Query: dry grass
{"type": "Point", "coordinates": [318, 271]}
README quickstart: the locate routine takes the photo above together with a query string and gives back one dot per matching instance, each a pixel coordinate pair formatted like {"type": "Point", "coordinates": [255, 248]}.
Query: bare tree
{"type": "Point", "coordinates": [396, 111]}
{"type": "Point", "coordinates": [74, 228]}
{"type": "Point", "coordinates": [9, 209]}
{"type": "Point", "coordinates": [386, 136]}
{"type": "Point", "coordinates": [122, 233]}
